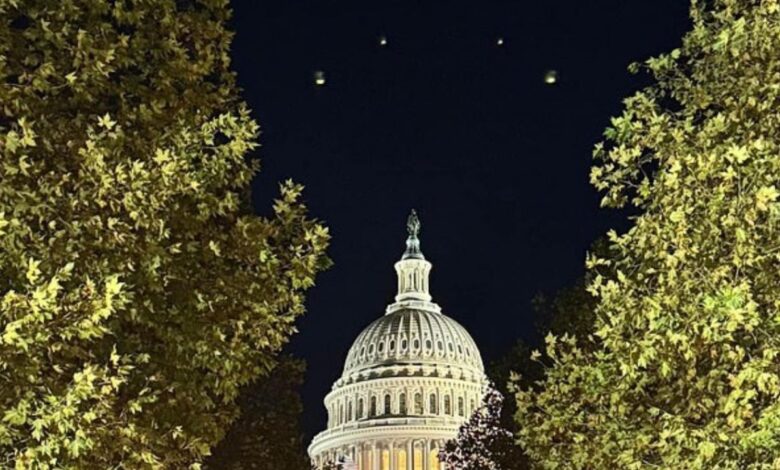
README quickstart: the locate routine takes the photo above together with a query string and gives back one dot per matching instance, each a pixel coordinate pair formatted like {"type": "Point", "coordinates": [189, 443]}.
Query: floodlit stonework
{"type": "Point", "coordinates": [411, 378]}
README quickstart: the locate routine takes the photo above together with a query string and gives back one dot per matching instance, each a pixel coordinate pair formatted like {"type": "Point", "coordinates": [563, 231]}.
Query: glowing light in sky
{"type": "Point", "coordinates": [551, 77]}
{"type": "Point", "coordinates": [319, 78]}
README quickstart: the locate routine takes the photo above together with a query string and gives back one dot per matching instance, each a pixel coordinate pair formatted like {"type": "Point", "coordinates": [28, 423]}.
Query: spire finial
{"type": "Point", "coordinates": [412, 242]}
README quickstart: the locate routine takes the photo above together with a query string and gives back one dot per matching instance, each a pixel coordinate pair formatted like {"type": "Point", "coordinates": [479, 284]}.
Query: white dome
{"type": "Point", "coordinates": [410, 380]}
{"type": "Point", "coordinates": [414, 336]}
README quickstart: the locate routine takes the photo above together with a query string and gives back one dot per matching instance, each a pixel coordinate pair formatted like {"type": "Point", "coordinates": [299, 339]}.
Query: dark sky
{"type": "Point", "coordinates": [444, 120]}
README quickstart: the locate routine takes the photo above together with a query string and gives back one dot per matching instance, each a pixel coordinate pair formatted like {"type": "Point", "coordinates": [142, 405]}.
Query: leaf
{"type": "Point", "coordinates": [106, 122]}
{"type": "Point", "coordinates": [764, 196]}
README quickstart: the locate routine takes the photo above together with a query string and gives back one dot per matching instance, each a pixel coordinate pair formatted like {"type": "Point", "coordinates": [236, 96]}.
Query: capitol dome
{"type": "Point", "coordinates": [414, 336]}
{"type": "Point", "coordinates": [410, 379]}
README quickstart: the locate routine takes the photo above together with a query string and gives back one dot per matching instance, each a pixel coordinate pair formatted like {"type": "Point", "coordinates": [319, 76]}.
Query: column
{"type": "Point", "coordinates": [392, 455]}
{"type": "Point", "coordinates": [409, 455]}
{"type": "Point", "coordinates": [426, 455]}
{"type": "Point", "coordinates": [375, 456]}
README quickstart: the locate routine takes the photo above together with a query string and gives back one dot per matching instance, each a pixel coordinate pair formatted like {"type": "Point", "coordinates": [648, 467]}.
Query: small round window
{"type": "Point", "coordinates": [416, 344]}
{"type": "Point", "coordinates": [428, 344]}
{"type": "Point", "coordinates": [439, 345]}
{"type": "Point", "coordinates": [450, 346]}
{"type": "Point", "coordinates": [403, 345]}
{"type": "Point", "coordinates": [363, 351]}
{"type": "Point", "coordinates": [460, 349]}
{"type": "Point", "coordinates": [392, 345]}
{"type": "Point", "coordinates": [381, 347]}
{"type": "Point", "coordinates": [371, 349]}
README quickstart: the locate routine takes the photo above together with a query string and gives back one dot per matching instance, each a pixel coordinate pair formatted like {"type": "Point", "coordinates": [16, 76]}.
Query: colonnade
{"type": "Point", "coordinates": [388, 454]}
{"type": "Point", "coordinates": [412, 397]}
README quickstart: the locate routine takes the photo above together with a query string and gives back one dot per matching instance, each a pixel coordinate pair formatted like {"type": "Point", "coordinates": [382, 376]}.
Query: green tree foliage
{"type": "Point", "coordinates": [685, 373]}
{"type": "Point", "coordinates": [137, 290]}
{"type": "Point", "coordinates": [568, 311]}
{"type": "Point", "coordinates": [267, 435]}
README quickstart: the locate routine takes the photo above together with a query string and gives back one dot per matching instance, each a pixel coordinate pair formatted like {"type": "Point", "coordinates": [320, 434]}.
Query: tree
{"type": "Point", "coordinates": [482, 443]}
{"type": "Point", "coordinates": [267, 435]}
{"type": "Point", "coordinates": [138, 292]}
{"type": "Point", "coordinates": [684, 373]}
{"type": "Point", "coordinates": [568, 311]}
{"type": "Point", "coordinates": [326, 466]}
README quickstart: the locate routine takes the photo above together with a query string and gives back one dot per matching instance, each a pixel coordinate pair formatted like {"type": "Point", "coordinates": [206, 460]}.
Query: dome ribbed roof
{"type": "Point", "coordinates": [413, 336]}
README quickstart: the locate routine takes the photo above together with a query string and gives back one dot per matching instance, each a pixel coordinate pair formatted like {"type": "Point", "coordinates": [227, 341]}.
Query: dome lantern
{"type": "Point", "coordinates": [413, 269]}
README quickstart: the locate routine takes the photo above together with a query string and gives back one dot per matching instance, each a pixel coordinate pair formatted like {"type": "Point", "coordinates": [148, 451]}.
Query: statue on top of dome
{"type": "Point", "coordinates": [413, 224]}
{"type": "Point", "coordinates": [413, 243]}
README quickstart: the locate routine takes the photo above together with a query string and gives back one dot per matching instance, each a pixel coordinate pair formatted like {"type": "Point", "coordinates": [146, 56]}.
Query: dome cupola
{"type": "Point", "coordinates": [413, 269]}
{"type": "Point", "coordinates": [413, 329]}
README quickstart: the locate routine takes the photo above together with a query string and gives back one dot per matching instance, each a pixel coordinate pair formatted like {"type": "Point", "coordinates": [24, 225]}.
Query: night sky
{"type": "Point", "coordinates": [444, 120]}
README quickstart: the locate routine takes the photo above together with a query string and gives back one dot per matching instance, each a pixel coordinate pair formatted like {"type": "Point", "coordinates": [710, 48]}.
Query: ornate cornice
{"type": "Point", "coordinates": [351, 435]}
{"type": "Point", "coordinates": [395, 383]}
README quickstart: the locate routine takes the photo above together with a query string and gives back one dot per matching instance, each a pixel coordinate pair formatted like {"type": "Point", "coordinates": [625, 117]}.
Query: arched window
{"type": "Point", "coordinates": [447, 405]}
{"type": "Point", "coordinates": [349, 410]}
{"type": "Point", "coordinates": [372, 410]}
{"type": "Point", "coordinates": [461, 411]}
{"type": "Point", "coordinates": [402, 404]}
{"type": "Point", "coordinates": [360, 409]}
{"type": "Point", "coordinates": [418, 404]}
{"type": "Point", "coordinates": [428, 345]}
{"type": "Point", "coordinates": [432, 407]}
{"type": "Point", "coordinates": [341, 413]}
{"type": "Point", "coordinates": [387, 404]}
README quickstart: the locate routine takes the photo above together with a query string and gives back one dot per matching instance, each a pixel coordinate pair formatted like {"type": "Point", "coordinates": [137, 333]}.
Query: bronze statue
{"type": "Point", "coordinates": [412, 242]}
{"type": "Point", "coordinates": [413, 224]}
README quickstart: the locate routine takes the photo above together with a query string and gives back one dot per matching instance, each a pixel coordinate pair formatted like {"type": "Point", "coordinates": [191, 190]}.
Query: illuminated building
{"type": "Point", "coordinates": [410, 379]}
